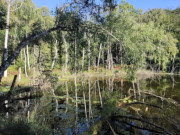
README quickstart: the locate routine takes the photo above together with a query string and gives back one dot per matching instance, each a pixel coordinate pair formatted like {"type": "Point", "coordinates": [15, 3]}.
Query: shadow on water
{"type": "Point", "coordinates": [106, 105]}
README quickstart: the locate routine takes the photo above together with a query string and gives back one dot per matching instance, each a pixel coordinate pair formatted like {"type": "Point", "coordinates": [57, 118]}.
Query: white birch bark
{"type": "Point", "coordinates": [89, 52]}
{"type": "Point", "coordinates": [25, 68]}
{"type": "Point", "coordinates": [27, 52]}
{"type": "Point", "coordinates": [6, 34]}
{"type": "Point", "coordinates": [90, 109]}
{"type": "Point", "coordinates": [85, 107]}
{"type": "Point", "coordinates": [99, 56]}
{"type": "Point", "coordinates": [83, 59]}
{"type": "Point", "coordinates": [55, 56]}
{"type": "Point", "coordinates": [19, 74]}
{"type": "Point", "coordinates": [66, 53]}
{"type": "Point", "coordinates": [100, 97]}
{"type": "Point", "coordinates": [28, 63]}
{"type": "Point", "coordinates": [75, 54]}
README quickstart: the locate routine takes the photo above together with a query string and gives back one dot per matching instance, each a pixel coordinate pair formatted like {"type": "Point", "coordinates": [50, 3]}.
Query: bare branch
{"type": "Point", "coordinates": [114, 133]}
{"type": "Point", "coordinates": [68, 5]}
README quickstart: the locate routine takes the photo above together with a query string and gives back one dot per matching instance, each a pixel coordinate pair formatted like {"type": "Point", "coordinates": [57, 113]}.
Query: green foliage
{"type": "Point", "coordinates": [4, 88]}
{"type": "Point", "coordinates": [148, 40]}
{"type": "Point", "coordinates": [2, 14]}
{"type": "Point", "coordinates": [108, 107]}
{"type": "Point", "coordinates": [21, 127]}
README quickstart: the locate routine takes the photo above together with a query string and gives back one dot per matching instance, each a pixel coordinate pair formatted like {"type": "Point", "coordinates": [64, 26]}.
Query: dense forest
{"type": "Point", "coordinates": [88, 67]}
{"type": "Point", "coordinates": [84, 36]}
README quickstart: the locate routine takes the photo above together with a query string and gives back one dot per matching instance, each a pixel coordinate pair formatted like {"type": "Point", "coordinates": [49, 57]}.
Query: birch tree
{"type": "Point", "coordinates": [6, 35]}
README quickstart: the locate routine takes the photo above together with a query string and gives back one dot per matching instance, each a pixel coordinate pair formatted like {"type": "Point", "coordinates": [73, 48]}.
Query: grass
{"type": "Point", "coordinates": [62, 76]}
{"type": "Point", "coordinates": [25, 81]}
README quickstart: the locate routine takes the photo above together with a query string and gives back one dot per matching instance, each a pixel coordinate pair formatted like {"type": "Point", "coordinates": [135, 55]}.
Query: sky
{"type": "Point", "coordinates": [143, 4]}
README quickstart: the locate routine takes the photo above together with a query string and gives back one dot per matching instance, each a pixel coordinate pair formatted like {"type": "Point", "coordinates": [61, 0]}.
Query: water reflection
{"type": "Point", "coordinates": [89, 104]}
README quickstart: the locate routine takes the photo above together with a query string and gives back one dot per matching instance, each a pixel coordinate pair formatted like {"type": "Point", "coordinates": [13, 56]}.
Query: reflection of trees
{"type": "Point", "coordinates": [67, 97]}
{"type": "Point", "coordinates": [100, 97]}
{"type": "Point", "coordinates": [85, 107]}
{"type": "Point", "coordinates": [90, 107]}
{"type": "Point", "coordinates": [55, 110]}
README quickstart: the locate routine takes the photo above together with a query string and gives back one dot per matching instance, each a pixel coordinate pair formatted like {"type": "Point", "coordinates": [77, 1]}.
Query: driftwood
{"type": "Point", "coordinates": [114, 133]}
{"type": "Point", "coordinates": [134, 103]}
{"type": "Point", "coordinates": [162, 98]}
{"type": "Point", "coordinates": [22, 90]}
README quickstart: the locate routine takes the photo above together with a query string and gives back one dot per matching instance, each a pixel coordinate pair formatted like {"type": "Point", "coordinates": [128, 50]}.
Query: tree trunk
{"type": "Point", "coordinates": [83, 59]}
{"type": "Point", "coordinates": [75, 55]}
{"type": "Point", "coordinates": [89, 52]}
{"type": "Point", "coordinates": [34, 64]}
{"type": "Point", "coordinates": [6, 63]}
{"type": "Point", "coordinates": [14, 41]}
{"type": "Point", "coordinates": [120, 51]}
{"type": "Point", "coordinates": [19, 74]}
{"type": "Point", "coordinates": [21, 55]}
{"type": "Point", "coordinates": [27, 51]}
{"type": "Point", "coordinates": [134, 89]}
{"type": "Point", "coordinates": [75, 83]}
{"type": "Point", "coordinates": [6, 36]}
{"type": "Point", "coordinates": [109, 59]}
{"type": "Point", "coordinates": [90, 109]}
{"type": "Point", "coordinates": [66, 51]}
{"type": "Point", "coordinates": [67, 97]}
{"type": "Point", "coordinates": [55, 56]}
{"type": "Point", "coordinates": [173, 68]}
{"type": "Point", "coordinates": [25, 69]}
{"type": "Point", "coordinates": [99, 56]}
{"type": "Point", "coordinates": [85, 106]}
{"type": "Point", "coordinates": [103, 58]}
{"type": "Point", "coordinates": [112, 63]}
{"type": "Point", "coordinates": [100, 97]}
{"type": "Point", "coordinates": [108, 54]}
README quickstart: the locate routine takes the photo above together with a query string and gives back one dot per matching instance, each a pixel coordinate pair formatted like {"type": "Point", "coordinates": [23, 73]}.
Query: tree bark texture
{"type": "Point", "coordinates": [99, 56]}
{"type": "Point", "coordinates": [89, 52]}
{"type": "Point", "coordinates": [25, 68]}
{"type": "Point", "coordinates": [55, 56]}
{"type": "Point", "coordinates": [66, 51]}
{"type": "Point", "coordinates": [6, 36]}
{"type": "Point", "coordinates": [83, 59]}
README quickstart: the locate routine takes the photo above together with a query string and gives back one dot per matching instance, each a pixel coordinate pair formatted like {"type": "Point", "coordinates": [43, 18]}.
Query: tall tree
{"type": "Point", "coordinates": [6, 35]}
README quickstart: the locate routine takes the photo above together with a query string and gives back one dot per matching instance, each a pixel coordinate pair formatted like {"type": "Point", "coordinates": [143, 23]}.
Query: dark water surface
{"type": "Point", "coordinates": [107, 105]}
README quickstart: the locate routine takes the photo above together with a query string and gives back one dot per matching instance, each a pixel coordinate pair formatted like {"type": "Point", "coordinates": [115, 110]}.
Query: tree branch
{"type": "Point", "coordinates": [68, 5]}
{"type": "Point", "coordinates": [5, 64]}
